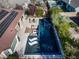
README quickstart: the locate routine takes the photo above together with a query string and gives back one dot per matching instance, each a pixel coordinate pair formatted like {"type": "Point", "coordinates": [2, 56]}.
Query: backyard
{"type": "Point", "coordinates": [48, 43]}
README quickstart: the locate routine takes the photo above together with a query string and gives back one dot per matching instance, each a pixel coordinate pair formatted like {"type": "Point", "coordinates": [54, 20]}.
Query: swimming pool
{"type": "Point", "coordinates": [48, 41]}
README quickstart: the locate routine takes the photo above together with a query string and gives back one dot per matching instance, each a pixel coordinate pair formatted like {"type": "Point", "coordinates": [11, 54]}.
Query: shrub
{"type": "Point", "coordinates": [39, 12]}
{"type": "Point", "coordinates": [13, 56]}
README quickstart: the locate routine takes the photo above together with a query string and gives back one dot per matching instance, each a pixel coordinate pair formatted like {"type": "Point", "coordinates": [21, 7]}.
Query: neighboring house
{"type": "Point", "coordinates": [75, 4]}
{"type": "Point", "coordinates": [10, 26]}
{"type": "Point", "coordinates": [70, 5]}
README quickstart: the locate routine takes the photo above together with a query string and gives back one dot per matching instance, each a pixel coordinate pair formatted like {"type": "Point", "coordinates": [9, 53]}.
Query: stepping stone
{"type": "Point", "coordinates": [32, 43]}
{"type": "Point", "coordinates": [33, 39]}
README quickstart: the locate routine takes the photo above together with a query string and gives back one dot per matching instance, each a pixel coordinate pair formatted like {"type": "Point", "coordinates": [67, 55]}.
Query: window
{"type": "Point", "coordinates": [19, 24]}
{"type": "Point", "coordinates": [21, 18]}
{"type": "Point", "coordinates": [29, 21]}
{"type": "Point", "coordinates": [18, 38]}
{"type": "Point", "coordinates": [33, 20]}
{"type": "Point", "coordinates": [13, 44]}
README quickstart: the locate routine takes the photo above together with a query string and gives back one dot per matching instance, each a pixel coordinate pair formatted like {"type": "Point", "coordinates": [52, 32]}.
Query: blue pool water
{"type": "Point", "coordinates": [48, 42]}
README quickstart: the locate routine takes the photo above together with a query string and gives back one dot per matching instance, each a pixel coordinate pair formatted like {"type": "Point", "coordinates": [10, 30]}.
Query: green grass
{"type": "Point", "coordinates": [13, 56]}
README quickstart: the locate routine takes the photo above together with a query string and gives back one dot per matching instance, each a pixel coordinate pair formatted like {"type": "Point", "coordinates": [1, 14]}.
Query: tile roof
{"type": "Point", "coordinates": [75, 3]}
{"type": "Point", "coordinates": [8, 36]}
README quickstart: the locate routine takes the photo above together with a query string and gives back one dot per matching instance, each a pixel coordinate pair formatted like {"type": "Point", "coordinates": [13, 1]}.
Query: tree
{"type": "Point", "coordinates": [39, 12]}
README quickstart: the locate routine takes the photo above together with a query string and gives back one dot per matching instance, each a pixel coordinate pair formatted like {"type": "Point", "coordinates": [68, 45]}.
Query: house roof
{"type": "Point", "coordinates": [75, 3]}
{"type": "Point", "coordinates": [8, 36]}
